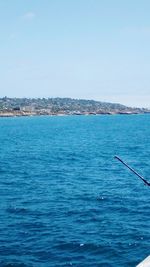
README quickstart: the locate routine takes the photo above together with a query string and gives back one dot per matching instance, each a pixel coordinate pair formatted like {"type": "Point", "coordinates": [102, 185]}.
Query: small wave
{"type": "Point", "coordinates": [13, 264]}
{"type": "Point", "coordinates": [16, 210]}
{"type": "Point", "coordinates": [78, 247]}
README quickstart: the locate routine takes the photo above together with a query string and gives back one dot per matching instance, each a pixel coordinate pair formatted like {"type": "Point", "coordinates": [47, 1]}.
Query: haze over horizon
{"type": "Point", "coordinates": [83, 49]}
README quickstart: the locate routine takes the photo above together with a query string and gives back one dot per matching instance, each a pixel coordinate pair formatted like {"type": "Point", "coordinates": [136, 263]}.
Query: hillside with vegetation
{"type": "Point", "coordinates": [61, 106]}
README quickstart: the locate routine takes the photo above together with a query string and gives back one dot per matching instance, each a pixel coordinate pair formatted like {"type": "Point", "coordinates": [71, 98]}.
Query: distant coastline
{"type": "Point", "coordinates": [16, 107]}
{"type": "Point", "coordinates": [31, 114]}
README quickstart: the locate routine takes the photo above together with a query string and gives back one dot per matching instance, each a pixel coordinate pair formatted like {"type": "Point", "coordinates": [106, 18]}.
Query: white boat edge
{"type": "Point", "coordinates": [145, 263]}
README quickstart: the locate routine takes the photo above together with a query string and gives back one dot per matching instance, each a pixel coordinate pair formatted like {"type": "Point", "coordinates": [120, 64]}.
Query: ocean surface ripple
{"type": "Point", "coordinates": [65, 200]}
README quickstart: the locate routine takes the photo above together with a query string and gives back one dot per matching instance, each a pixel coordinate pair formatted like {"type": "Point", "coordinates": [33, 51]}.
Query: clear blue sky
{"type": "Point", "coordinates": [93, 49]}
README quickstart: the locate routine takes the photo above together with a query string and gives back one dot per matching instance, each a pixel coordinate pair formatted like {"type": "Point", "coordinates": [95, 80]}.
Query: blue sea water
{"type": "Point", "coordinates": [65, 200]}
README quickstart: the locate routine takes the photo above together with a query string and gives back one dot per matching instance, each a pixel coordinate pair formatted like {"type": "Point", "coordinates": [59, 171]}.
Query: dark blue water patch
{"type": "Point", "coordinates": [65, 200]}
{"type": "Point", "coordinates": [13, 264]}
{"type": "Point", "coordinates": [17, 210]}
